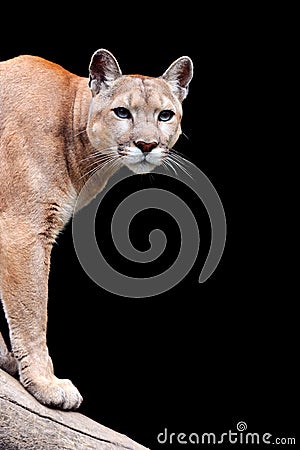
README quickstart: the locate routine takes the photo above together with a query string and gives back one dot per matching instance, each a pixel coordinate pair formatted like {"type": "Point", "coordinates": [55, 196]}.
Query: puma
{"type": "Point", "coordinates": [57, 130]}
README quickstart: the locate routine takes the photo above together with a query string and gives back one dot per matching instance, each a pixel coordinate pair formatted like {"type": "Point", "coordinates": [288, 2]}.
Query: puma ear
{"type": "Point", "coordinates": [103, 68]}
{"type": "Point", "coordinates": [179, 75]}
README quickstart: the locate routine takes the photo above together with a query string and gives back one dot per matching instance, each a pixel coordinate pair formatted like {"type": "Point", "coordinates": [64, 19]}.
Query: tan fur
{"type": "Point", "coordinates": [56, 131]}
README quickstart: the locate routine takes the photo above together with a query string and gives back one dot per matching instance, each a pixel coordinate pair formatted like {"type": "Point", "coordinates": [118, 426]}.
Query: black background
{"type": "Point", "coordinates": [200, 357]}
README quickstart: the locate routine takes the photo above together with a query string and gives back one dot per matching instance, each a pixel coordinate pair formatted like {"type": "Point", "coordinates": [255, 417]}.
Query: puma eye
{"type": "Point", "coordinates": [165, 115]}
{"type": "Point", "coordinates": [122, 113]}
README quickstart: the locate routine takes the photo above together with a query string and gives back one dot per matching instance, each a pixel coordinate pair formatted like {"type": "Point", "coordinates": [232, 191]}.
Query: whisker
{"type": "Point", "coordinates": [185, 135]}
{"type": "Point", "coordinates": [113, 160]}
{"type": "Point", "coordinates": [113, 163]}
{"type": "Point", "coordinates": [101, 159]}
{"type": "Point", "coordinates": [180, 166]}
{"type": "Point", "coordinates": [167, 164]}
{"type": "Point", "coordinates": [179, 158]}
{"type": "Point", "coordinates": [104, 151]}
{"type": "Point", "coordinates": [151, 177]}
{"type": "Point", "coordinates": [83, 131]}
{"type": "Point", "coordinates": [176, 152]}
{"type": "Point", "coordinates": [179, 162]}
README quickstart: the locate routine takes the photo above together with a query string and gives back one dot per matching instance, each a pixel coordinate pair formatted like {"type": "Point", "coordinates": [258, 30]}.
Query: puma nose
{"type": "Point", "coordinates": [146, 146]}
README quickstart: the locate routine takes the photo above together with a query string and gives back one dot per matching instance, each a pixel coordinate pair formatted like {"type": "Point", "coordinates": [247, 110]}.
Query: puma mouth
{"type": "Point", "coordinates": [141, 167]}
{"type": "Point", "coordinates": [139, 162]}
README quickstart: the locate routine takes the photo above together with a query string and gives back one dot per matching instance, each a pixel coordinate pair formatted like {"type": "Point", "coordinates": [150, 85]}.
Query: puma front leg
{"type": "Point", "coordinates": [24, 262]}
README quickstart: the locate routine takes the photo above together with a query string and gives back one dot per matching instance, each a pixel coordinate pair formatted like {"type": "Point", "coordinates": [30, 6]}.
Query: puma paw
{"type": "Point", "coordinates": [54, 392]}
{"type": "Point", "coordinates": [9, 364]}
{"type": "Point", "coordinates": [7, 360]}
